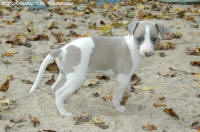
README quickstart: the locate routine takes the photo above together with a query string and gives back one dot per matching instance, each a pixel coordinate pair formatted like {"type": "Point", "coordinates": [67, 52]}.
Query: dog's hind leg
{"type": "Point", "coordinates": [59, 82]}
{"type": "Point", "coordinates": [122, 85]}
{"type": "Point", "coordinates": [74, 81]}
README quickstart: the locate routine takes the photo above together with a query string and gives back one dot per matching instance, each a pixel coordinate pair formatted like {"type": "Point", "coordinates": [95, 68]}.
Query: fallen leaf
{"type": "Point", "coordinates": [91, 82]}
{"type": "Point", "coordinates": [93, 26]}
{"type": "Point", "coordinates": [4, 87]}
{"type": "Point", "coordinates": [6, 104]}
{"type": "Point", "coordinates": [149, 127]}
{"type": "Point", "coordinates": [71, 26]}
{"type": "Point", "coordinates": [17, 120]}
{"type": "Point", "coordinates": [33, 120]}
{"type": "Point", "coordinates": [27, 81]}
{"type": "Point", "coordinates": [158, 105]}
{"type": "Point", "coordinates": [51, 81]}
{"type": "Point", "coordinates": [161, 97]}
{"type": "Point", "coordinates": [165, 46]}
{"type": "Point", "coordinates": [100, 123]}
{"type": "Point", "coordinates": [146, 88]}
{"type": "Point", "coordinates": [195, 63]}
{"type": "Point", "coordinates": [171, 35]}
{"type": "Point", "coordinates": [125, 98]}
{"type": "Point", "coordinates": [60, 37]}
{"type": "Point", "coordinates": [162, 54]}
{"type": "Point", "coordinates": [46, 131]}
{"type": "Point", "coordinates": [53, 25]}
{"type": "Point", "coordinates": [107, 97]}
{"type": "Point", "coordinates": [102, 77]}
{"type": "Point", "coordinates": [82, 118]}
{"type": "Point", "coordinates": [9, 52]}
{"type": "Point", "coordinates": [171, 112]}
{"type": "Point", "coordinates": [52, 67]}
{"type": "Point", "coordinates": [105, 30]}
{"type": "Point", "coordinates": [73, 34]}
{"type": "Point", "coordinates": [40, 37]}
{"type": "Point", "coordinates": [10, 77]}
{"type": "Point", "coordinates": [135, 80]}
{"type": "Point", "coordinates": [84, 35]}
{"type": "Point", "coordinates": [193, 51]}
{"type": "Point", "coordinates": [196, 74]}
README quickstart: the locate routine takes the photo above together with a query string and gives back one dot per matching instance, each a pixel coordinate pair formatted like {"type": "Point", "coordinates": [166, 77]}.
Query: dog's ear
{"type": "Point", "coordinates": [161, 29]}
{"type": "Point", "coordinates": [132, 27]}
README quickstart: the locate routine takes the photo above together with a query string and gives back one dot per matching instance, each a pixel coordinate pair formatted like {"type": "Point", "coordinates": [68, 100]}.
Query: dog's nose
{"type": "Point", "coordinates": [147, 54]}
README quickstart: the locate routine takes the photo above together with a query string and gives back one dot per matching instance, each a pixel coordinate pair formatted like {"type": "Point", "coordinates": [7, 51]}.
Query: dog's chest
{"type": "Point", "coordinates": [110, 54]}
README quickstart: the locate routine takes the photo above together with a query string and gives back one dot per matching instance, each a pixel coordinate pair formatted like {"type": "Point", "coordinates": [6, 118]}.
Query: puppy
{"type": "Point", "coordinates": [117, 57]}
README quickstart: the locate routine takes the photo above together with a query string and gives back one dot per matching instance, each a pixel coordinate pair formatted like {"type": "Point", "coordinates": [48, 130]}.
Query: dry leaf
{"type": "Point", "coordinates": [33, 120]}
{"type": "Point", "coordinates": [27, 81]}
{"type": "Point", "coordinates": [158, 105]}
{"type": "Point", "coordinates": [10, 77]}
{"type": "Point", "coordinates": [82, 118]}
{"type": "Point", "coordinates": [4, 87]}
{"type": "Point", "coordinates": [161, 97]}
{"type": "Point", "coordinates": [146, 88]}
{"type": "Point", "coordinates": [51, 81]}
{"type": "Point", "coordinates": [93, 26]}
{"type": "Point", "coordinates": [192, 51]}
{"type": "Point", "coordinates": [105, 30]}
{"type": "Point", "coordinates": [73, 34]}
{"type": "Point", "coordinates": [149, 127]}
{"type": "Point", "coordinates": [162, 54]}
{"type": "Point", "coordinates": [171, 35]}
{"type": "Point", "coordinates": [91, 82]}
{"type": "Point", "coordinates": [9, 52]}
{"type": "Point", "coordinates": [60, 37]}
{"type": "Point", "coordinates": [102, 77]}
{"type": "Point", "coordinates": [52, 67]}
{"type": "Point", "coordinates": [107, 97]}
{"type": "Point", "coordinates": [100, 123]}
{"type": "Point", "coordinates": [165, 46]}
{"type": "Point", "coordinates": [40, 37]}
{"type": "Point", "coordinates": [46, 131]}
{"type": "Point", "coordinates": [53, 25]}
{"type": "Point", "coordinates": [71, 26]}
{"type": "Point", "coordinates": [135, 80]}
{"type": "Point", "coordinates": [195, 63]}
{"type": "Point", "coordinates": [125, 98]}
{"type": "Point", "coordinates": [17, 120]}
{"type": "Point", "coordinates": [6, 104]}
{"type": "Point", "coordinates": [84, 35]}
{"type": "Point", "coordinates": [171, 112]}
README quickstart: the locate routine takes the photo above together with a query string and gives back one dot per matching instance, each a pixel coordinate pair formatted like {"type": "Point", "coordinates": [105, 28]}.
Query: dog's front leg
{"type": "Point", "coordinates": [122, 84]}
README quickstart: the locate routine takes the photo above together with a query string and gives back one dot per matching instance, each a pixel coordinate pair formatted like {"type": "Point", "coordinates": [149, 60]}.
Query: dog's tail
{"type": "Point", "coordinates": [43, 66]}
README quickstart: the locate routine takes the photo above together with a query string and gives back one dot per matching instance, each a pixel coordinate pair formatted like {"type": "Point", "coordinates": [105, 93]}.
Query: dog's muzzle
{"type": "Point", "coordinates": [148, 53]}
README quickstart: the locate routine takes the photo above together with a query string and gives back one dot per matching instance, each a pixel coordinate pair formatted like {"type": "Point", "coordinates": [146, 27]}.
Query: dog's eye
{"type": "Point", "coordinates": [139, 39]}
{"type": "Point", "coordinates": [153, 38]}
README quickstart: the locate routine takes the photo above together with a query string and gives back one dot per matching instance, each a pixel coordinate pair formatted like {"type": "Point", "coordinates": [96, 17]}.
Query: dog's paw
{"type": "Point", "coordinates": [120, 108]}
{"type": "Point", "coordinates": [66, 114]}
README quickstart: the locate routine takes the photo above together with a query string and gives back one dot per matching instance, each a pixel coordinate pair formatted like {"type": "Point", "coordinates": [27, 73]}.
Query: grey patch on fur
{"type": "Point", "coordinates": [140, 31]}
{"type": "Point", "coordinates": [110, 53]}
{"type": "Point", "coordinates": [55, 53]}
{"type": "Point", "coordinates": [72, 58]}
{"type": "Point", "coordinates": [132, 27]}
{"type": "Point", "coordinates": [160, 29]}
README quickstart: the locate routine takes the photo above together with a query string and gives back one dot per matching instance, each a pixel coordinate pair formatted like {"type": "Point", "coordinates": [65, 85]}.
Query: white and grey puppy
{"type": "Point", "coordinates": [117, 57]}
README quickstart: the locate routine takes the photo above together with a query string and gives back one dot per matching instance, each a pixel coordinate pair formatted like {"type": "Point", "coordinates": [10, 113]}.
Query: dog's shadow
{"type": "Point", "coordinates": [97, 106]}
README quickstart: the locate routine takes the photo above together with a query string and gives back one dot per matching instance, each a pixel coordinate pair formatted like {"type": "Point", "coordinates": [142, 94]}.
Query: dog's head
{"type": "Point", "coordinates": [145, 35]}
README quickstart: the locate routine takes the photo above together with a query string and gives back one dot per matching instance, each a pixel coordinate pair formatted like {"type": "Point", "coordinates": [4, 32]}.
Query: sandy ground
{"type": "Point", "coordinates": [180, 92]}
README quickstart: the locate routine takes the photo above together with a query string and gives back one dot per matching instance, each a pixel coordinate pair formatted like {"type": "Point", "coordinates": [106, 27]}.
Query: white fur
{"type": "Point", "coordinates": [146, 46]}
